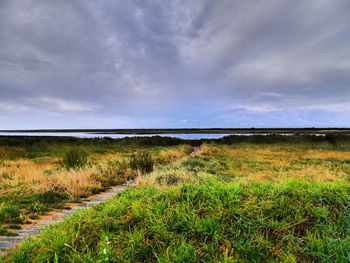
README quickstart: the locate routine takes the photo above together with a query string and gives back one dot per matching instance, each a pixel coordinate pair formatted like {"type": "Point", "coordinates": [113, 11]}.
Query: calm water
{"type": "Point", "coordinates": [193, 136]}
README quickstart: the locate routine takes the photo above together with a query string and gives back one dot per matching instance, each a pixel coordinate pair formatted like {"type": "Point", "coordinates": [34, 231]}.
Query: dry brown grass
{"type": "Point", "coordinates": [170, 177]}
{"type": "Point", "coordinates": [327, 155]}
{"type": "Point", "coordinates": [42, 174]}
{"type": "Point", "coordinates": [76, 183]}
{"type": "Point", "coordinates": [247, 163]}
{"type": "Point", "coordinates": [22, 171]}
{"type": "Point", "coordinates": [312, 174]}
{"type": "Point", "coordinates": [274, 163]}
{"type": "Point", "coordinates": [171, 155]}
{"type": "Point", "coordinates": [210, 150]}
{"type": "Point", "coordinates": [171, 173]}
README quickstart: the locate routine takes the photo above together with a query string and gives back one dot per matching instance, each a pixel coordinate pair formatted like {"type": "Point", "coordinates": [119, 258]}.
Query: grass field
{"type": "Point", "coordinates": [33, 179]}
{"type": "Point", "coordinates": [250, 201]}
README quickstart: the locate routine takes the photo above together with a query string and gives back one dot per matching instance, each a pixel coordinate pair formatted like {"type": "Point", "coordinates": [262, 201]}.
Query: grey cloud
{"type": "Point", "coordinates": [156, 59]}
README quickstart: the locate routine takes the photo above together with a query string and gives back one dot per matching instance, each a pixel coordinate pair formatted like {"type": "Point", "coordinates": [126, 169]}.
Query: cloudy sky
{"type": "Point", "coordinates": [174, 63]}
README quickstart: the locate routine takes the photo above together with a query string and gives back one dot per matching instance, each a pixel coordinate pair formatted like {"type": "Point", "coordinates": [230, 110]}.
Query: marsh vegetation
{"type": "Point", "coordinates": [41, 176]}
{"type": "Point", "coordinates": [238, 199]}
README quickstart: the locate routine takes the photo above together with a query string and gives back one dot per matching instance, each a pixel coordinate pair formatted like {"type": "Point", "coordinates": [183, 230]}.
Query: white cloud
{"type": "Point", "coordinates": [13, 107]}
{"type": "Point", "coordinates": [263, 107]}
{"type": "Point", "coordinates": [339, 107]}
{"type": "Point", "coordinates": [57, 104]}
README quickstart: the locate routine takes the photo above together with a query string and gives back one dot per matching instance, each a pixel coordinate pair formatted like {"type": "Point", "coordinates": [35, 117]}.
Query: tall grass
{"type": "Point", "coordinates": [32, 186]}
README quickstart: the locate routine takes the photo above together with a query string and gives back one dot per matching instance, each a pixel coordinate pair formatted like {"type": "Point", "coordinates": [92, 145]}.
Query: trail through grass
{"type": "Point", "coordinates": [30, 187]}
{"type": "Point", "coordinates": [245, 202]}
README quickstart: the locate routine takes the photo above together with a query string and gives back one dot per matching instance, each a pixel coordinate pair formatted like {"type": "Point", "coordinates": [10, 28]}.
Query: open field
{"type": "Point", "coordinates": [34, 179]}
{"type": "Point", "coordinates": [239, 199]}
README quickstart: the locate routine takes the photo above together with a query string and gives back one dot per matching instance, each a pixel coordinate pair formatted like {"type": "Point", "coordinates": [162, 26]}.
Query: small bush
{"type": "Point", "coordinates": [75, 158]}
{"type": "Point", "coordinates": [38, 147]}
{"type": "Point", "coordinates": [113, 173]}
{"type": "Point", "coordinates": [142, 162]}
{"type": "Point", "coordinates": [52, 196]}
{"type": "Point", "coordinates": [9, 214]}
{"type": "Point", "coordinates": [37, 207]}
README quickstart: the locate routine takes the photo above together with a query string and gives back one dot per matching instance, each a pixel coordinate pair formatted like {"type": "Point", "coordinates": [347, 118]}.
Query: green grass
{"type": "Point", "coordinates": [207, 222]}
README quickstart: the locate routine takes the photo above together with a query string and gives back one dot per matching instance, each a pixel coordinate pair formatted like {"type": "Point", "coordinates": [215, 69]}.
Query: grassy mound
{"type": "Point", "coordinates": [208, 222]}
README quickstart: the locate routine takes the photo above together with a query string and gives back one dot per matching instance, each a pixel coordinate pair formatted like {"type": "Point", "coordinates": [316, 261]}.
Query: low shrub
{"type": "Point", "coordinates": [57, 194]}
{"type": "Point", "coordinates": [75, 158]}
{"type": "Point", "coordinates": [38, 147]}
{"type": "Point", "coordinates": [113, 173]}
{"type": "Point", "coordinates": [141, 162]}
{"type": "Point", "coordinates": [9, 214]}
{"type": "Point", "coordinates": [37, 207]}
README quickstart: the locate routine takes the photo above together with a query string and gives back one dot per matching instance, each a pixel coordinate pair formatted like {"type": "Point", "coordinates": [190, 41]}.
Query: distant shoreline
{"type": "Point", "coordinates": [193, 131]}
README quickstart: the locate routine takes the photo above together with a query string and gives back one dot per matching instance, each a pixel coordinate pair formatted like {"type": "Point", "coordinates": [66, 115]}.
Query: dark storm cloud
{"type": "Point", "coordinates": [174, 63]}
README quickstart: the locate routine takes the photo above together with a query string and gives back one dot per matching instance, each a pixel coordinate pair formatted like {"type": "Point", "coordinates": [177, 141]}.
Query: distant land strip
{"type": "Point", "coordinates": [193, 131]}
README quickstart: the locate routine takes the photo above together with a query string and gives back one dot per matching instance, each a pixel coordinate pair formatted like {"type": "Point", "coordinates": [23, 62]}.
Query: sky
{"type": "Point", "coordinates": [174, 63]}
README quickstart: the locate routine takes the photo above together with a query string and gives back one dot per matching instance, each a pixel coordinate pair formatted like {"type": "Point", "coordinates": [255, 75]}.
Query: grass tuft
{"type": "Point", "coordinates": [75, 158]}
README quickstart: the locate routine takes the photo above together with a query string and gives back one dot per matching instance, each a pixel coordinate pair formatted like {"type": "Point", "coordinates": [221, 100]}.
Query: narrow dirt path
{"type": "Point", "coordinates": [57, 216]}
